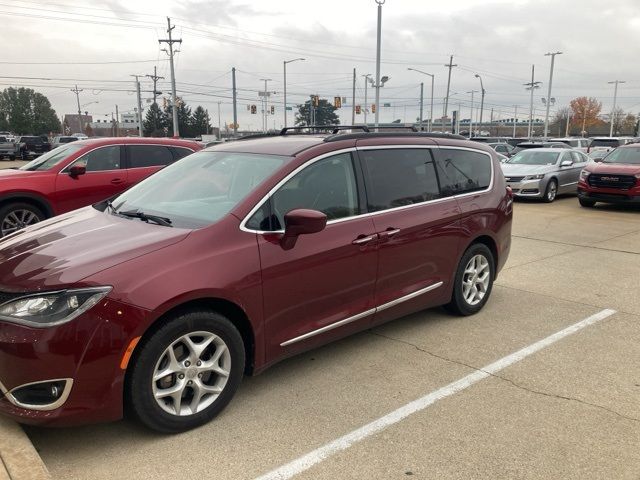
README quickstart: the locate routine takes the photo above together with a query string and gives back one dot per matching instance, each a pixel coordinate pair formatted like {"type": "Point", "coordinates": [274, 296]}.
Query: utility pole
{"type": "Point", "coordinates": [483, 91]}
{"type": "Point", "coordinates": [546, 115]}
{"type": "Point", "coordinates": [566, 127]}
{"type": "Point", "coordinates": [155, 79]}
{"type": "Point", "coordinates": [353, 99]}
{"type": "Point", "coordinates": [379, 42]}
{"type": "Point", "coordinates": [117, 122]}
{"type": "Point", "coordinates": [266, 95]}
{"type": "Point", "coordinates": [491, 122]}
{"type": "Point", "coordinates": [471, 114]}
{"type": "Point", "coordinates": [219, 124]}
{"type": "Point", "coordinates": [515, 120]}
{"type": "Point", "coordinates": [421, 102]}
{"type": "Point", "coordinates": [170, 41]}
{"type": "Point", "coordinates": [450, 66]}
{"type": "Point", "coordinates": [285, 86]}
{"type": "Point", "coordinates": [532, 85]}
{"type": "Point", "coordinates": [139, 104]}
{"type": "Point", "coordinates": [366, 106]}
{"type": "Point", "coordinates": [615, 98]}
{"type": "Point", "coordinates": [77, 92]}
{"type": "Point", "coordinates": [235, 101]}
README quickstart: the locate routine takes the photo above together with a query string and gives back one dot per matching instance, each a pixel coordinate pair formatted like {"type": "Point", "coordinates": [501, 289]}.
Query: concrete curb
{"type": "Point", "coordinates": [19, 460]}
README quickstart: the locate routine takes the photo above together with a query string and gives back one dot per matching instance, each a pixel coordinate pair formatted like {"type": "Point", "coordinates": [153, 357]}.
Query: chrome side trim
{"type": "Point", "coordinates": [43, 408]}
{"type": "Point", "coordinates": [379, 308]}
{"type": "Point", "coordinates": [313, 333]}
{"type": "Point", "coordinates": [417, 293]}
{"type": "Point", "coordinates": [567, 184]}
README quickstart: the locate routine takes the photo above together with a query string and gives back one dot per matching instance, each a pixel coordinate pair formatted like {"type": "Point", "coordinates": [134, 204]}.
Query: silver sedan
{"type": "Point", "coordinates": [544, 172]}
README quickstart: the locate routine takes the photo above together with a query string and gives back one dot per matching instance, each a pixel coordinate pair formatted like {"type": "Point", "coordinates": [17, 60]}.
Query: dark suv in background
{"type": "Point", "coordinates": [32, 146]}
{"type": "Point", "coordinates": [236, 257]}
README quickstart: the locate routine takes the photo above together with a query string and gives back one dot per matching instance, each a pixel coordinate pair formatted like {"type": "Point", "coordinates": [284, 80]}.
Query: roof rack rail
{"type": "Point", "coordinates": [334, 128]}
{"type": "Point", "coordinates": [358, 135]}
{"type": "Point", "coordinates": [257, 135]}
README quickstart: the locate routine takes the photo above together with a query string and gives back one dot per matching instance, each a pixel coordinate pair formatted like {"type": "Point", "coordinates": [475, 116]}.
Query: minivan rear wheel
{"type": "Point", "coordinates": [186, 372]}
{"type": "Point", "coordinates": [473, 281]}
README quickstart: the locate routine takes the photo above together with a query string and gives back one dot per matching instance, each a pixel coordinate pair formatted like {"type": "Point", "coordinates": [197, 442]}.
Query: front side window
{"type": "Point", "coordinates": [53, 157]}
{"type": "Point", "coordinates": [149, 156]}
{"type": "Point", "coordinates": [201, 188]}
{"type": "Point", "coordinates": [397, 177]}
{"type": "Point", "coordinates": [100, 160]}
{"type": "Point", "coordinates": [462, 171]}
{"type": "Point", "coordinates": [328, 185]}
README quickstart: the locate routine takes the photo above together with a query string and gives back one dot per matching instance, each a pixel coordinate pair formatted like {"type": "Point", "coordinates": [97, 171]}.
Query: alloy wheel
{"type": "Point", "coordinates": [475, 279]}
{"type": "Point", "coordinates": [17, 220]}
{"type": "Point", "coordinates": [191, 373]}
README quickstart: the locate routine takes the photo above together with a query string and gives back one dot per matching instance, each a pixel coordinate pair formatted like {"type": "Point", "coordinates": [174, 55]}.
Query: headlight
{"type": "Point", "coordinates": [584, 174]}
{"type": "Point", "coordinates": [54, 308]}
{"type": "Point", "coordinates": [533, 177]}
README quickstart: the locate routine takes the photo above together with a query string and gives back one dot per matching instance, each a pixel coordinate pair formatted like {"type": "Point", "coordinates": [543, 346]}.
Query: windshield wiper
{"type": "Point", "coordinates": [145, 217]}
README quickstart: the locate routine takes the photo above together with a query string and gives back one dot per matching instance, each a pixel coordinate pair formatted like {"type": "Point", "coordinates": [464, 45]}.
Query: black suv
{"type": "Point", "coordinates": [32, 146]}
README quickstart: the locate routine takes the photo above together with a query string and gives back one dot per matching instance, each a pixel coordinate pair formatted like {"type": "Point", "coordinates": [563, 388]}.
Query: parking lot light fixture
{"type": "Point", "coordinates": [546, 116]}
{"type": "Point", "coordinates": [285, 86]}
{"type": "Point", "coordinates": [482, 92]}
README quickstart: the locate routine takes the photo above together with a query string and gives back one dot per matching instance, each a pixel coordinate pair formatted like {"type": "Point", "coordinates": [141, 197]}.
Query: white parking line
{"type": "Point", "coordinates": [318, 455]}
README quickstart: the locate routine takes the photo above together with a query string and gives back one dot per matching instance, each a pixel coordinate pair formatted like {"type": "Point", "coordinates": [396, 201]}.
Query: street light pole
{"type": "Point", "coordinates": [615, 98]}
{"type": "Point", "coordinates": [471, 114]}
{"type": "Point", "coordinates": [421, 101]}
{"type": "Point", "coordinates": [379, 42]}
{"type": "Point", "coordinates": [546, 115]}
{"type": "Point", "coordinates": [367, 79]}
{"type": "Point", "coordinates": [482, 91]}
{"type": "Point", "coordinates": [431, 107]}
{"type": "Point", "coordinates": [285, 87]}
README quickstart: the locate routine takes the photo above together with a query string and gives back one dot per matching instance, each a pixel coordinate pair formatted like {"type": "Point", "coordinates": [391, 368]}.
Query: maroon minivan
{"type": "Point", "coordinates": [234, 258]}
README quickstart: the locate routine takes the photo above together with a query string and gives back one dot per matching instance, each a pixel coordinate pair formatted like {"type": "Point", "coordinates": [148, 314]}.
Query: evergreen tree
{"type": "Point", "coordinates": [200, 121]}
{"type": "Point", "coordinates": [324, 114]}
{"type": "Point", "coordinates": [154, 122]}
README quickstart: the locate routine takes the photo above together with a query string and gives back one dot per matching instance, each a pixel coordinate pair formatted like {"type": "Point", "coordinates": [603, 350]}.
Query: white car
{"type": "Point", "coordinates": [608, 143]}
{"type": "Point", "coordinates": [577, 143]}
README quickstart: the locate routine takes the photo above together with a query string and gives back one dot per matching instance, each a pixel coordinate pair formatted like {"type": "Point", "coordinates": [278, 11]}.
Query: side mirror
{"type": "Point", "coordinates": [301, 222]}
{"type": "Point", "coordinates": [566, 163]}
{"type": "Point", "coordinates": [598, 160]}
{"type": "Point", "coordinates": [77, 170]}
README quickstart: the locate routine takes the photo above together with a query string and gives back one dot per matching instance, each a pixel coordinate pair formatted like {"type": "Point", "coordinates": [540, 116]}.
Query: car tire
{"type": "Point", "coordinates": [551, 191]}
{"type": "Point", "coordinates": [585, 202]}
{"type": "Point", "coordinates": [477, 259]}
{"type": "Point", "coordinates": [212, 373]}
{"type": "Point", "coordinates": [16, 216]}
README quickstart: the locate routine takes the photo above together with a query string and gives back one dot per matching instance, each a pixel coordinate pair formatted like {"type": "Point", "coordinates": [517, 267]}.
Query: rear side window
{"type": "Point", "coordinates": [462, 171]}
{"type": "Point", "coordinates": [398, 177]}
{"type": "Point", "coordinates": [179, 152]}
{"type": "Point", "coordinates": [606, 142]}
{"type": "Point", "coordinates": [149, 156]}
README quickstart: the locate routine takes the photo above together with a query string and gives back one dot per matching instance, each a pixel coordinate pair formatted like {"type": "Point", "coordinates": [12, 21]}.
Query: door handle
{"type": "Point", "coordinates": [363, 240]}
{"type": "Point", "coordinates": [117, 181]}
{"type": "Point", "coordinates": [390, 232]}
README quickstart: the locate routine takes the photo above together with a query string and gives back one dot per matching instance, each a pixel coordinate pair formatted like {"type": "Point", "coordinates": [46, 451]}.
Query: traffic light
{"type": "Point", "coordinates": [315, 100]}
{"type": "Point", "coordinates": [254, 109]}
{"type": "Point", "coordinates": [373, 108]}
{"type": "Point", "coordinates": [337, 102]}
{"type": "Point", "coordinates": [358, 110]}
{"type": "Point", "coordinates": [273, 110]}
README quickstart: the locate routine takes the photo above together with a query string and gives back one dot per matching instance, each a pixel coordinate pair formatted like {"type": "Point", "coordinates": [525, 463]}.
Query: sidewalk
{"type": "Point", "coordinates": [18, 458]}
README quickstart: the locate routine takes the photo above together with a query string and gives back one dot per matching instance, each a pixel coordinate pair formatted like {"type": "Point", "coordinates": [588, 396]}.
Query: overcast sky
{"type": "Point", "coordinates": [498, 39]}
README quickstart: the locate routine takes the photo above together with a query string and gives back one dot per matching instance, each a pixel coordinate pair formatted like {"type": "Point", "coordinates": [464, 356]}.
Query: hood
{"type": "Point", "coordinates": [510, 169]}
{"type": "Point", "coordinates": [614, 168]}
{"type": "Point", "coordinates": [63, 250]}
{"type": "Point", "coordinates": [11, 173]}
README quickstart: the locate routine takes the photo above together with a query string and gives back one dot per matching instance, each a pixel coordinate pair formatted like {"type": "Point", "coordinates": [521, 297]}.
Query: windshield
{"type": "Point", "coordinates": [51, 158]}
{"type": "Point", "coordinates": [534, 157]}
{"type": "Point", "coordinates": [629, 155]}
{"type": "Point", "coordinates": [200, 189]}
{"type": "Point", "coordinates": [606, 142]}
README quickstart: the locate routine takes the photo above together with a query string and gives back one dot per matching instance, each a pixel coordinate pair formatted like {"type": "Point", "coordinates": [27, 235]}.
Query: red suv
{"type": "Point", "coordinates": [81, 173]}
{"type": "Point", "coordinates": [234, 258]}
{"type": "Point", "coordinates": [613, 179]}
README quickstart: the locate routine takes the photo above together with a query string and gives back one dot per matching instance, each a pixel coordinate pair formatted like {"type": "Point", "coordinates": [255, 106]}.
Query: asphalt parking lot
{"type": "Point", "coordinates": [568, 410]}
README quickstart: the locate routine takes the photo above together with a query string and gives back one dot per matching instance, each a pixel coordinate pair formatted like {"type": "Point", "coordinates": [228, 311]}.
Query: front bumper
{"type": "Point", "coordinates": [528, 188]}
{"type": "Point", "coordinates": [85, 353]}
{"type": "Point", "coordinates": [609, 196]}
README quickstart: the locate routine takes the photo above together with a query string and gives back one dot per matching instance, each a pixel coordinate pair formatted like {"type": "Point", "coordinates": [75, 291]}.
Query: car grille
{"type": "Point", "coordinates": [513, 179]}
{"type": "Point", "coordinates": [606, 180]}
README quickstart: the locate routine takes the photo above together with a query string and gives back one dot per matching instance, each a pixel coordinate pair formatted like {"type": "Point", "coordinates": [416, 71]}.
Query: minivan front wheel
{"type": "Point", "coordinates": [186, 372]}
{"type": "Point", "coordinates": [473, 281]}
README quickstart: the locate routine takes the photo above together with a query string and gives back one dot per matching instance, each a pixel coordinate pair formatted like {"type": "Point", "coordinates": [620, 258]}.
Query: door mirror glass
{"type": "Point", "coordinates": [301, 222]}
{"type": "Point", "coordinates": [566, 163]}
{"type": "Point", "coordinates": [77, 170]}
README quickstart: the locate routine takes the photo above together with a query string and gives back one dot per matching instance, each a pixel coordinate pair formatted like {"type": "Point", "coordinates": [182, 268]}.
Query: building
{"type": "Point", "coordinates": [72, 124]}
